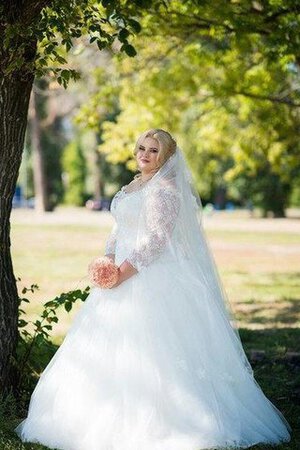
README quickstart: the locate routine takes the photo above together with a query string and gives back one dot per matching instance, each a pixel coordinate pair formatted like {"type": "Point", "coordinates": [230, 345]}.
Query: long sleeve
{"type": "Point", "coordinates": [161, 211]}
{"type": "Point", "coordinates": [111, 241]}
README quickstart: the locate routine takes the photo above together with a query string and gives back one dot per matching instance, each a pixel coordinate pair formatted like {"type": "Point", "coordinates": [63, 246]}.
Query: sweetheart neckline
{"type": "Point", "coordinates": [132, 192]}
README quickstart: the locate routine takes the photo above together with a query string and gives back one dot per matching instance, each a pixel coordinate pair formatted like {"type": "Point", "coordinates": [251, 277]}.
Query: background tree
{"type": "Point", "coordinates": [75, 173]}
{"type": "Point", "coordinates": [101, 105]}
{"type": "Point", "coordinates": [233, 94]}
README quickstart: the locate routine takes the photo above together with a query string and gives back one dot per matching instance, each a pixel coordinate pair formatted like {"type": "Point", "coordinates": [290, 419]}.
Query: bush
{"type": "Point", "coordinates": [35, 348]}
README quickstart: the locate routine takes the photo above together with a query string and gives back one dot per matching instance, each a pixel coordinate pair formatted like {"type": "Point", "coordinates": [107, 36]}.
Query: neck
{"type": "Point", "coordinates": [147, 175]}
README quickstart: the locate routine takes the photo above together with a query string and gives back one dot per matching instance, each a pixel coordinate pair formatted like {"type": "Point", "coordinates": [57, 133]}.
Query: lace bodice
{"type": "Point", "coordinates": [161, 211]}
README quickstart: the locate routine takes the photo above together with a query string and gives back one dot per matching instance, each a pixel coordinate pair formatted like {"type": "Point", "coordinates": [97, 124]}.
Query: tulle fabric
{"type": "Point", "coordinates": [149, 373]}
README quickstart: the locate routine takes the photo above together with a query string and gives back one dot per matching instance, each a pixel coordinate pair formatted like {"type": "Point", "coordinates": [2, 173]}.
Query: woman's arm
{"type": "Point", "coordinates": [162, 208]}
{"type": "Point", "coordinates": [110, 245]}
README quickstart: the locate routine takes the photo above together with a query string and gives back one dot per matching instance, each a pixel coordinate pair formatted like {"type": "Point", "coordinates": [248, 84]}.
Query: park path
{"type": "Point", "coordinates": [239, 220]}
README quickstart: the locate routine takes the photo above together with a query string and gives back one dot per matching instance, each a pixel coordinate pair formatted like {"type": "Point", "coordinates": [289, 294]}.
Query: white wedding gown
{"type": "Point", "coordinates": [141, 369]}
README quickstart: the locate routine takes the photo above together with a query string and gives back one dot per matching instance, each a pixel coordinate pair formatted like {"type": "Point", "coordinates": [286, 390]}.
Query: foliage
{"type": "Point", "coordinates": [235, 56]}
{"type": "Point", "coordinates": [233, 109]}
{"type": "Point", "coordinates": [55, 25]}
{"type": "Point", "coordinates": [74, 166]}
{"type": "Point", "coordinates": [101, 106]}
{"type": "Point", "coordinates": [35, 348]}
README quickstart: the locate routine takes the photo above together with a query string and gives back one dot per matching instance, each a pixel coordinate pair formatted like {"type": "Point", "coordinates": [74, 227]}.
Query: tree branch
{"type": "Point", "coordinates": [275, 15]}
{"type": "Point", "coordinates": [283, 100]}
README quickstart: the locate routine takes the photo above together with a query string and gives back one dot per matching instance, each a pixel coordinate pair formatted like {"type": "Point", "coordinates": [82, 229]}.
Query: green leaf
{"type": "Point", "coordinates": [50, 303]}
{"type": "Point", "coordinates": [39, 339]}
{"type": "Point", "coordinates": [135, 25]}
{"type": "Point", "coordinates": [68, 306]}
{"type": "Point", "coordinates": [61, 60]}
{"type": "Point", "coordinates": [107, 3]}
{"type": "Point", "coordinates": [101, 44]}
{"type": "Point", "coordinates": [42, 62]}
{"type": "Point", "coordinates": [129, 50]}
{"type": "Point", "coordinates": [65, 74]}
{"type": "Point", "coordinates": [123, 35]}
{"type": "Point", "coordinates": [49, 49]}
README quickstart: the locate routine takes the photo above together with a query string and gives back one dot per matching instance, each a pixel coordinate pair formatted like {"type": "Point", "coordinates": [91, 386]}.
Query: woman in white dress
{"type": "Point", "coordinates": [155, 362]}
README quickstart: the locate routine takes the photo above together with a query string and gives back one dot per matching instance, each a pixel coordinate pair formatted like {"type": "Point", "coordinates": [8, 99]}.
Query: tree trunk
{"type": "Point", "coordinates": [40, 180]}
{"type": "Point", "coordinates": [17, 56]}
{"type": "Point", "coordinates": [98, 182]}
{"type": "Point", "coordinates": [14, 101]}
{"type": "Point", "coordinates": [275, 195]}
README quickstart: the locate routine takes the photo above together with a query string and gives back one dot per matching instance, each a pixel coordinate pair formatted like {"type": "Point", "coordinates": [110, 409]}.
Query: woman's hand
{"type": "Point", "coordinates": [126, 270]}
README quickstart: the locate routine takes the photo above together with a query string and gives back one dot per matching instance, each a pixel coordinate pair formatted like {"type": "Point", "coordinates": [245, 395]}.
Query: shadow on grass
{"type": "Point", "coordinates": [277, 375]}
{"type": "Point", "coordinates": [283, 312]}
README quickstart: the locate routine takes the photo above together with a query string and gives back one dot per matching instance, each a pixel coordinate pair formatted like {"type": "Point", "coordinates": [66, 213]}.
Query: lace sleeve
{"type": "Point", "coordinates": [111, 241]}
{"type": "Point", "coordinates": [161, 211]}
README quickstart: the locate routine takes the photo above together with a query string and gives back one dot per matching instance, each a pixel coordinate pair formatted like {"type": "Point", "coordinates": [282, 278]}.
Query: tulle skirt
{"type": "Point", "coordinates": [152, 364]}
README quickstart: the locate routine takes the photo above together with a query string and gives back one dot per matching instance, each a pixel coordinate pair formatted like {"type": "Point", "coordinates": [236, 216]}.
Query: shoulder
{"type": "Point", "coordinates": [165, 195]}
{"type": "Point", "coordinates": [131, 185]}
{"type": "Point", "coordinates": [166, 189]}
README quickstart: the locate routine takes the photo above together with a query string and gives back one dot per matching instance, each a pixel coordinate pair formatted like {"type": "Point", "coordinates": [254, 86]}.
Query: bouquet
{"type": "Point", "coordinates": [103, 272]}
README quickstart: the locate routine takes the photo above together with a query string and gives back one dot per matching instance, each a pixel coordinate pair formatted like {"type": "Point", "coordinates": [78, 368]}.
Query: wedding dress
{"type": "Point", "coordinates": [154, 363]}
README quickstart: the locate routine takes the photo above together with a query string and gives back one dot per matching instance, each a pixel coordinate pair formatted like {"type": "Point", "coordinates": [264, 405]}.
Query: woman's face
{"type": "Point", "coordinates": [146, 156]}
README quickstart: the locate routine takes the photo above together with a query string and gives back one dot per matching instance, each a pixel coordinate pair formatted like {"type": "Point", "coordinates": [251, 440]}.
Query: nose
{"type": "Point", "coordinates": [146, 153]}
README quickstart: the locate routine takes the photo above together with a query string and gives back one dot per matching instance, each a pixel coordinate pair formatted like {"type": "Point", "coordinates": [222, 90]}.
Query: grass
{"type": "Point", "coordinates": [259, 267]}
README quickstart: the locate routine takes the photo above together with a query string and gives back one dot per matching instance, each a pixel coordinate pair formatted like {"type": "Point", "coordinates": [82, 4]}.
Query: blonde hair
{"type": "Point", "coordinates": [166, 144]}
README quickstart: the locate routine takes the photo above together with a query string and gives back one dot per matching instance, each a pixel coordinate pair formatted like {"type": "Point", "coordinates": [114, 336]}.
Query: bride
{"type": "Point", "coordinates": [154, 362]}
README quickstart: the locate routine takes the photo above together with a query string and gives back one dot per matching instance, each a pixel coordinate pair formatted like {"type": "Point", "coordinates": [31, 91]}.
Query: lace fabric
{"type": "Point", "coordinates": [161, 212]}
{"type": "Point", "coordinates": [110, 245]}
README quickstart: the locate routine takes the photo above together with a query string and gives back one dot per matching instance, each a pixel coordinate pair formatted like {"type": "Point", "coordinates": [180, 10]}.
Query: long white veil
{"type": "Point", "coordinates": [190, 251]}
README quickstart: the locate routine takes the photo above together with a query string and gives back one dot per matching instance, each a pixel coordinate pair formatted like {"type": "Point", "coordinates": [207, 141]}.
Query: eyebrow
{"type": "Point", "coordinates": [151, 148]}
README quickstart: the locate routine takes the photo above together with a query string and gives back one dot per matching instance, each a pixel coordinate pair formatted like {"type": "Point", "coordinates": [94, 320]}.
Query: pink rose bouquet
{"type": "Point", "coordinates": [103, 272]}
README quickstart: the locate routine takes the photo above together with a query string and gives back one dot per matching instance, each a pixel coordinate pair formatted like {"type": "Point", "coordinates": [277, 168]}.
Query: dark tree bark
{"type": "Point", "coordinates": [15, 94]}
{"type": "Point", "coordinates": [15, 89]}
{"type": "Point", "coordinates": [40, 180]}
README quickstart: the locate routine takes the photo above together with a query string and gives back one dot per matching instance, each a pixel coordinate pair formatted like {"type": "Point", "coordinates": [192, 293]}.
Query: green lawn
{"type": "Point", "coordinates": [259, 268]}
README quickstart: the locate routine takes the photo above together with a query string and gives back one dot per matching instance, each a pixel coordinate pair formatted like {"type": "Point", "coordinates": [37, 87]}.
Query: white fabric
{"type": "Point", "coordinates": [155, 363]}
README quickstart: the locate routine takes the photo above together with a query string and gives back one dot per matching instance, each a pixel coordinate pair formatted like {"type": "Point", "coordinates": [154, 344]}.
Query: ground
{"type": "Point", "coordinates": [258, 261]}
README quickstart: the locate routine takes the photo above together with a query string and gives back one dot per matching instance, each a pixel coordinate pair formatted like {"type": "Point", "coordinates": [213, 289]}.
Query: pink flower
{"type": "Point", "coordinates": [103, 272]}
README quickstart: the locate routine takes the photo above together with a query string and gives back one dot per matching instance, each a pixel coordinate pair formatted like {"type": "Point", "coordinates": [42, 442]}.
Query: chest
{"type": "Point", "coordinates": [126, 207]}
